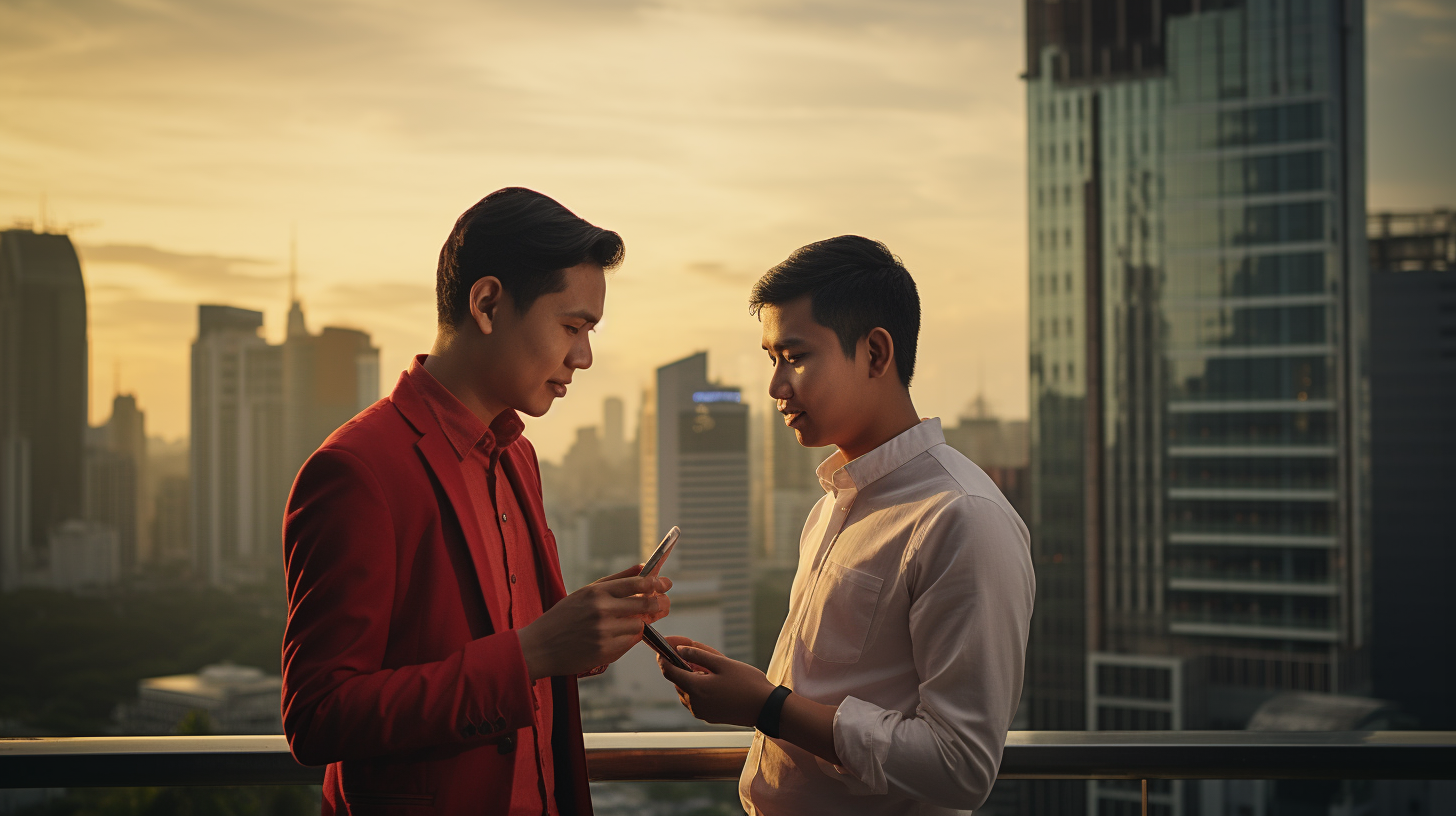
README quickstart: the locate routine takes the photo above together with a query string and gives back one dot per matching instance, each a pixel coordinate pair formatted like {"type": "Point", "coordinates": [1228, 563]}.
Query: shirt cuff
{"type": "Point", "coordinates": [862, 735]}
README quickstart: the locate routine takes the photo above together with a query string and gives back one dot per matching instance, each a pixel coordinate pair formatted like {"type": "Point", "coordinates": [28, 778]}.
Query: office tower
{"type": "Point", "coordinates": [239, 479]}
{"type": "Point", "coordinates": [43, 370]}
{"type": "Point", "coordinates": [1413, 458]}
{"type": "Point", "coordinates": [614, 431]}
{"type": "Point", "coordinates": [116, 486]}
{"type": "Point", "coordinates": [170, 515]}
{"type": "Point", "coordinates": [1197, 244]}
{"type": "Point", "coordinates": [328, 378]}
{"type": "Point", "coordinates": [791, 489]}
{"type": "Point", "coordinates": [694, 465]}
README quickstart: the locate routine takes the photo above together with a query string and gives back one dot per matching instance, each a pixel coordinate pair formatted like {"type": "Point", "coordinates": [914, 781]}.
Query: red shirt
{"type": "Point", "coordinates": [503, 525]}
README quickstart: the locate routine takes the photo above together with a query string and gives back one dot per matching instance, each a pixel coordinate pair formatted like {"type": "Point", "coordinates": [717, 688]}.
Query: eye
{"type": "Point", "coordinates": [572, 329]}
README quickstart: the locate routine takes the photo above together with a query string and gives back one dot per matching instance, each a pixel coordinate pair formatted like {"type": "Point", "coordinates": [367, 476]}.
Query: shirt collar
{"type": "Point", "coordinates": [462, 428]}
{"type": "Point", "coordinates": [837, 473]}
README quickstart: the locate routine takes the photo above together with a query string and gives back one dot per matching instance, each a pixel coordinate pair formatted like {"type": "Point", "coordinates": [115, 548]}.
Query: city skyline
{"type": "Point", "coordinates": [777, 127]}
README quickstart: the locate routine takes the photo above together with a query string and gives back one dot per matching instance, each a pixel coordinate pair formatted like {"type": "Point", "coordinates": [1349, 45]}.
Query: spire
{"type": "Point", "coordinates": [293, 264]}
{"type": "Point", "coordinates": [296, 325]}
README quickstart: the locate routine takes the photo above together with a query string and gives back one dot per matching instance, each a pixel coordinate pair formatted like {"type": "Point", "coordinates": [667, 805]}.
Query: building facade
{"type": "Point", "coordinates": [1199, 475]}
{"type": "Point", "coordinates": [117, 489]}
{"type": "Point", "coordinates": [327, 379]}
{"type": "Point", "coordinates": [694, 466]}
{"type": "Point", "coordinates": [43, 392]}
{"type": "Point", "coordinates": [238, 468]}
{"type": "Point", "coordinates": [1413, 457]}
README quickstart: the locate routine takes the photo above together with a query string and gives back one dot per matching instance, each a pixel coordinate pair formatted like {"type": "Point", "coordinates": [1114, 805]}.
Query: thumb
{"type": "Point", "coordinates": [714, 663]}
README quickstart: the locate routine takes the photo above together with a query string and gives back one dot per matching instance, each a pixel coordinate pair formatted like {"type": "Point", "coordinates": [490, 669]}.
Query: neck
{"type": "Point", "coordinates": [886, 423]}
{"type": "Point", "coordinates": [455, 362]}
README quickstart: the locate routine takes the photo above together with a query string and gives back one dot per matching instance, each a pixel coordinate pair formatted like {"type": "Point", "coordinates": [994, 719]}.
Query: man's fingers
{"type": "Point", "coordinates": [635, 585]}
{"type": "Point", "coordinates": [626, 573]}
{"type": "Point", "coordinates": [706, 658]}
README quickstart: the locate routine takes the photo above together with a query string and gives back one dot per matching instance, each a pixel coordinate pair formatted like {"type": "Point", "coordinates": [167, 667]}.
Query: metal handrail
{"type": "Point", "coordinates": [49, 762]}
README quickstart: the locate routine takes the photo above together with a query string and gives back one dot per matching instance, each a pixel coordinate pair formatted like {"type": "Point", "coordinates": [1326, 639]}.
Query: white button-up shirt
{"type": "Point", "coordinates": [909, 612]}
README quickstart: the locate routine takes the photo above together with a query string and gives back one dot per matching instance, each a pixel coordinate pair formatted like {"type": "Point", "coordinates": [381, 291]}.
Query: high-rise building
{"type": "Point", "coordinates": [117, 491]}
{"type": "Point", "coordinates": [327, 379]}
{"type": "Point", "coordinates": [791, 489]}
{"type": "Point", "coordinates": [238, 470]}
{"type": "Point", "coordinates": [43, 392]}
{"type": "Point", "coordinates": [1413, 458]}
{"type": "Point", "coordinates": [1197, 259]}
{"type": "Point", "coordinates": [168, 483]}
{"type": "Point", "coordinates": [614, 429]}
{"type": "Point", "coordinates": [258, 412]}
{"type": "Point", "coordinates": [694, 465]}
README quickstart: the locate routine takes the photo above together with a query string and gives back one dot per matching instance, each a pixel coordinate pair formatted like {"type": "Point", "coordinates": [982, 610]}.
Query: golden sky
{"type": "Point", "coordinates": [182, 140]}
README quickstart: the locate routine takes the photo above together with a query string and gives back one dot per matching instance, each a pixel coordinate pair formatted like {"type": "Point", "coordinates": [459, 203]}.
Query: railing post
{"type": "Point", "coordinates": [1145, 797]}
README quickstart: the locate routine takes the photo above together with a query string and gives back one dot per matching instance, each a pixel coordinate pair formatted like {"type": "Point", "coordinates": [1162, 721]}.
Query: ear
{"type": "Point", "coordinates": [880, 351]}
{"type": "Point", "coordinates": [486, 295]}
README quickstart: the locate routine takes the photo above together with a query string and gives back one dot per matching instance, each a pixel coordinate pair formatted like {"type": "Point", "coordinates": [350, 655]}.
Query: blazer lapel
{"type": "Point", "coordinates": [489, 562]}
{"type": "Point", "coordinates": [528, 492]}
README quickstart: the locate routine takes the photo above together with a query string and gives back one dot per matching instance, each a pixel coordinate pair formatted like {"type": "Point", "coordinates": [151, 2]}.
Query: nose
{"type": "Point", "coordinates": [778, 385]}
{"type": "Point", "coordinates": [580, 355]}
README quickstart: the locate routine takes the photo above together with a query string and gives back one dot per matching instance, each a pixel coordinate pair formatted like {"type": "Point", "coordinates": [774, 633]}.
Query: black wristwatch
{"type": "Point", "coordinates": [773, 707]}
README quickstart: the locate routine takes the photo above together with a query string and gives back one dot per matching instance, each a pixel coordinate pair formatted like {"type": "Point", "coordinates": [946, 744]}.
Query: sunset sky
{"type": "Point", "coordinates": [180, 142]}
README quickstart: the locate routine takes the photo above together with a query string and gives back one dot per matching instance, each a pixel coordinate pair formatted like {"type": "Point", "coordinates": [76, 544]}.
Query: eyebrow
{"type": "Point", "coordinates": [786, 343]}
{"type": "Point", "coordinates": [583, 314]}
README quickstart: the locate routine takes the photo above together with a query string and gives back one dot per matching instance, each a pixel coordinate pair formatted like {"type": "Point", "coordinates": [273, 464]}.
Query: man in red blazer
{"type": "Point", "coordinates": [431, 652]}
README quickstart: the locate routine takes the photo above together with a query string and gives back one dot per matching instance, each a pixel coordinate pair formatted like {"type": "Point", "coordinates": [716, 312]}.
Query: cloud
{"type": "Point", "coordinates": [720, 273]}
{"type": "Point", "coordinates": [203, 270]}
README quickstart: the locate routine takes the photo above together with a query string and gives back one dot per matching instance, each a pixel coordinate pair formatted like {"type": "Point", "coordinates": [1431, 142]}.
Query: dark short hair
{"type": "Point", "coordinates": [523, 238]}
{"type": "Point", "coordinates": [854, 286]}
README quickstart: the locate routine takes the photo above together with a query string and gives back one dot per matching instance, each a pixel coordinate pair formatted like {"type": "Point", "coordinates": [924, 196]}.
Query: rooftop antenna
{"type": "Point", "coordinates": [293, 264]}
{"type": "Point", "coordinates": [42, 226]}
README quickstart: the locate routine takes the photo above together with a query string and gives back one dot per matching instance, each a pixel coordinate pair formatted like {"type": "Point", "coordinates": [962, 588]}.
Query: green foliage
{"type": "Point", "coordinates": [195, 724]}
{"type": "Point", "coordinates": [69, 659]}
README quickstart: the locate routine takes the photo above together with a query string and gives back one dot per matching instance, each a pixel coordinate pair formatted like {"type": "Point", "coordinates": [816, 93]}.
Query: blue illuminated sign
{"type": "Point", "coordinates": [717, 396]}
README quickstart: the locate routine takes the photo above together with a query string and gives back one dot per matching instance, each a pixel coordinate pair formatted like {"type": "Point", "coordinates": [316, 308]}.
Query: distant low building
{"type": "Point", "coordinates": [235, 700]}
{"type": "Point", "coordinates": [84, 555]}
{"type": "Point", "coordinates": [1000, 447]}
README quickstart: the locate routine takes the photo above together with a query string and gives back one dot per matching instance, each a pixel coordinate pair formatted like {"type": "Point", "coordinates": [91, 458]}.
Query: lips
{"type": "Point", "coordinates": [557, 388]}
{"type": "Point", "coordinates": [791, 417]}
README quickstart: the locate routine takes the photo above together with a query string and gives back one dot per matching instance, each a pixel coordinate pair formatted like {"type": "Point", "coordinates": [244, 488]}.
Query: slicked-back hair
{"type": "Point", "coordinates": [526, 240]}
{"type": "Point", "coordinates": [854, 285]}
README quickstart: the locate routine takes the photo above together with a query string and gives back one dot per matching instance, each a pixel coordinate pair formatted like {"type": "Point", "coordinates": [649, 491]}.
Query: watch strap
{"type": "Point", "coordinates": [773, 709]}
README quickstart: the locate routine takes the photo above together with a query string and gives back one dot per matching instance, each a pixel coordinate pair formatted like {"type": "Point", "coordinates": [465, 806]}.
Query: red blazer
{"type": "Point", "coordinates": [398, 672]}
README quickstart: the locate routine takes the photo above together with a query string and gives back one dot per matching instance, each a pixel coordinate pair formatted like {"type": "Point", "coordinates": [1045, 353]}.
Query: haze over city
{"type": "Point", "coordinates": [182, 144]}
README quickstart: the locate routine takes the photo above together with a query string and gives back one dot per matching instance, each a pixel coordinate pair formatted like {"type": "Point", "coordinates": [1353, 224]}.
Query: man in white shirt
{"type": "Point", "coordinates": [899, 666]}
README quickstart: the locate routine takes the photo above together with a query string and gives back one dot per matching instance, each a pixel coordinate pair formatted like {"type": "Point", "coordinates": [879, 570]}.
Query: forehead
{"type": "Point", "coordinates": [586, 288]}
{"type": "Point", "coordinates": [793, 319]}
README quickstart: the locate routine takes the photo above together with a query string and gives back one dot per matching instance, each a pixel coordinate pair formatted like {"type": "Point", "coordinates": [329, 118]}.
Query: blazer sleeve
{"type": "Point", "coordinates": [339, 701]}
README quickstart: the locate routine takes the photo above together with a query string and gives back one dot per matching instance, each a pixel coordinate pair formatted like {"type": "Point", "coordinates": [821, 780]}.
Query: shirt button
{"type": "Point", "coordinates": [503, 516]}
{"type": "Point", "coordinates": [513, 577]}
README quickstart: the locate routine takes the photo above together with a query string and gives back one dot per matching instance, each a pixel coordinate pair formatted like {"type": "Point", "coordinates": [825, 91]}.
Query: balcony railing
{"type": "Point", "coordinates": [264, 760]}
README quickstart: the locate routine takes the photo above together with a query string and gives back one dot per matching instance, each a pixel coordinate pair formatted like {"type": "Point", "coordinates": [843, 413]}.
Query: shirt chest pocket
{"type": "Point", "coordinates": [837, 623]}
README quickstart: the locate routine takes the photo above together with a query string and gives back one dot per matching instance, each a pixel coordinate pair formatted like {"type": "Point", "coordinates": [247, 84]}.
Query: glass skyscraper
{"type": "Point", "coordinates": [1198, 414]}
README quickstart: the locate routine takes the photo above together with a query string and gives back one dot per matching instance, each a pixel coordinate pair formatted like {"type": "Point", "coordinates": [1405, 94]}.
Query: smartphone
{"type": "Point", "coordinates": [654, 562]}
{"type": "Point", "coordinates": [653, 566]}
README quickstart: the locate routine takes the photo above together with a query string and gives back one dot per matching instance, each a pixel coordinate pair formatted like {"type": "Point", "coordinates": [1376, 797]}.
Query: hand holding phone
{"type": "Point", "coordinates": [652, 567]}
